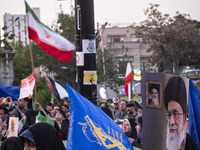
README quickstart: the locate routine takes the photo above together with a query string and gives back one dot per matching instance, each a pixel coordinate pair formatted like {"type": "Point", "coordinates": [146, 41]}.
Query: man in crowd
{"type": "Point", "coordinates": [4, 121]}
{"type": "Point", "coordinates": [122, 107]}
{"type": "Point", "coordinates": [49, 108]}
{"type": "Point", "coordinates": [22, 106]}
{"type": "Point", "coordinates": [175, 98]}
{"type": "Point", "coordinates": [130, 106]}
{"type": "Point", "coordinates": [138, 110]}
{"type": "Point", "coordinates": [55, 110]}
{"type": "Point", "coordinates": [65, 109]}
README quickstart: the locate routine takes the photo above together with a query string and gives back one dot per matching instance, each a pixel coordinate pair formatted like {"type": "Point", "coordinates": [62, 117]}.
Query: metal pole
{"type": "Point", "coordinates": [86, 49]}
{"type": "Point", "coordinates": [7, 69]}
{"type": "Point", "coordinates": [102, 48]}
{"type": "Point", "coordinates": [7, 72]}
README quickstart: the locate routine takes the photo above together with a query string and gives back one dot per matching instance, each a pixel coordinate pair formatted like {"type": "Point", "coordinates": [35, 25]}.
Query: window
{"type": "Point", "coordinates": [114, 39]}
{"type": "Point", "coordinates": [134, 38]}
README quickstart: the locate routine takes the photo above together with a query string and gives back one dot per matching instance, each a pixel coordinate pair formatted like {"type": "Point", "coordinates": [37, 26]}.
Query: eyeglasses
{"type": "Point", "coordinates": [174, 114]}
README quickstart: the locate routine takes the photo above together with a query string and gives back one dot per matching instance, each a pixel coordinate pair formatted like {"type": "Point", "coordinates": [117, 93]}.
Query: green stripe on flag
{"type": "Point", "coordinates": [22, 122]}
{"type": "Point", "coordinates": [33, 103]}
{"type": "Point", "coordinates": [28, 9]}
{"type": "Point", "coordinates": [41, 118]}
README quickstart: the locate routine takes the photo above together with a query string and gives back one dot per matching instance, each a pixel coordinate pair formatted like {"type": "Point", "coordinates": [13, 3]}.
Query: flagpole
{"type": "Point", "coordinates": [33, 70]}
{"type": "Point", "coordinates": [129, 91]}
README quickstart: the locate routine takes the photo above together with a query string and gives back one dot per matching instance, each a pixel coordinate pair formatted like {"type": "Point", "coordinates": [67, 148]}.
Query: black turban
{"type": "Point", "coordinates": [175, 90]}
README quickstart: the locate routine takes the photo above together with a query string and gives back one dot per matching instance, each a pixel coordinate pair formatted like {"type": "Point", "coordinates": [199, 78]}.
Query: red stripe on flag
{"type": "Point", "coordinates": [50, 84]}
{"type": "Point", "coordinates": [127, 80]}
{"type": "Point", "coordinates": [59, 54]}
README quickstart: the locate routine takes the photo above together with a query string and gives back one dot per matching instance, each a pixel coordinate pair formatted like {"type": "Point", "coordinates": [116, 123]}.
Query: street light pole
{"type": "Point", "coordinates": [102, 47]}
{"type": "Point", "coordinates": [7, 72]}
{"type": "Point", "coordinates": [7, 65]}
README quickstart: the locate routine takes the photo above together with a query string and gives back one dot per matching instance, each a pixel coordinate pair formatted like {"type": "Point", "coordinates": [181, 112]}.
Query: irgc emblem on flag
{"type": "Point", "coordinates": [91, 128]}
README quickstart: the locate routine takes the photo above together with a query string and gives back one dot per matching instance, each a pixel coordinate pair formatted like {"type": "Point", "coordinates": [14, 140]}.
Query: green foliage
{"type": "Point", "coordinates": [22, 63]}
{"type": "Point", "coordinates": [66, 26]}
{"type": "Point", "coordinates": [44, 96]}
{"type": "Point", "coordinates": [111, 70]}
{"type": "Point", "coordinates": [41, 83]}
{"type": "Point", "coordinates": [6, 36]}
{"type": "Point", "coordinates": [173, 42]}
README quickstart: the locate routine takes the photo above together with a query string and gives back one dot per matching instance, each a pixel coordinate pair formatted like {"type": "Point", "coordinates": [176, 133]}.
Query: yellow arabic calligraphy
{"type": "Point", "coordinates": [100, 135]}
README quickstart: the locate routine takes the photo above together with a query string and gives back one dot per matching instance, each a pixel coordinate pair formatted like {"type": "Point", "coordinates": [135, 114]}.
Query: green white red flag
{"type": "Point", "coordinates": [48, 40]}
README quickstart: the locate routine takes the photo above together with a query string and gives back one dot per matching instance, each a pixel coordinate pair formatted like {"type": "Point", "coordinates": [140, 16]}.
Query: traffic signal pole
{"type": "Point", "coordinates": [86, 49]}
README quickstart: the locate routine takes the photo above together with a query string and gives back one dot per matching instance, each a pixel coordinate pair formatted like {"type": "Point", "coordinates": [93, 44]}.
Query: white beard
{"type": "Point", "coordinates": [155, 101]}
{"type": "Point", "coordinates": [174, 140]}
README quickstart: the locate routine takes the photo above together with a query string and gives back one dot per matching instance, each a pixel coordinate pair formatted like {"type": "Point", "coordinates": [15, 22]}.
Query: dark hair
{"type": "Point", "coordinates": [65, 106]}
{"type": "Point", "coordinates": [49, 104]}
{"type": "Point", "coordinates": [4, 109]}
{"type": "Point", "coordinates": [57, 105]}
{"type": "Point", "coordinates": [26, 99]}
{"type": "Point", "coordinates": [124, 101]}
{"type": "Point", "coordinates": [62, 112]}
{"type": "Point", "coordinates": [137, 105]}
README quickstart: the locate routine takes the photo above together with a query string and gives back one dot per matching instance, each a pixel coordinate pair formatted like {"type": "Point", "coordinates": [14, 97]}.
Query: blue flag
{"type": "Point", "coordinates": [8, 90]}
{"type": "Point", "coordinates": [194, 112]}
{"type": "Point", "coordinates": [91, 128]}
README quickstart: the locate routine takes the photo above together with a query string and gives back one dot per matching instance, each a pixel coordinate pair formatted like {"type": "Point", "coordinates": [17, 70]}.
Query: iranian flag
{"type": "Point", "coordinates": [48, 40]}
{"type": "Point", "coordinates": [129, 77]}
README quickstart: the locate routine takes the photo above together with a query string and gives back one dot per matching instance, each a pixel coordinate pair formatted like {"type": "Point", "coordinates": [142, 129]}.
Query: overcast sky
{"type": "Point", "coordinates": [112, 11]}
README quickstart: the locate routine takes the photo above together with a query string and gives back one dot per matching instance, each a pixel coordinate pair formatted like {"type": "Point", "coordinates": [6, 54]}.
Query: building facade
{"type": "Point", "coordinates": [17, 24]}
{"type": "Point", "coordinates": [122, 41]}
{"type": "Point", "coordinates": [6, 66]}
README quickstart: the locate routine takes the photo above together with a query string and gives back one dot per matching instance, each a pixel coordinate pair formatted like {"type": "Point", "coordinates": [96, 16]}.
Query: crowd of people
{"type": "Point", "coordinates": [128, 115]}
{"type": "Point", "coordinates": [31, 133]}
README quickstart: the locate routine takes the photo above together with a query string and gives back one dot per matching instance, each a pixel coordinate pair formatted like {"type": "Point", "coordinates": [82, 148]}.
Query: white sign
{"type": "Point", "coordinates": [79, 59]}
{"type": "Point", "coordinates": [13, 126]}
{"type": "Point", "coordinates": [27, 86]}
{"type": "Point", "coordinates": [89, 46]}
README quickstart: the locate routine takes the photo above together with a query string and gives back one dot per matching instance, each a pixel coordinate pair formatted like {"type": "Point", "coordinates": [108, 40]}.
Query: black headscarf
{"type": "Point", "coordinates": [30, 119]}
{"type": "Point", "coordinates": [12, 143]}
{"type": "Point", "coordinates": [107, 111]}
{"type": "Point", "coordinates": [31, 116]}
{"type": "Point", "coordinates": [46, 137]}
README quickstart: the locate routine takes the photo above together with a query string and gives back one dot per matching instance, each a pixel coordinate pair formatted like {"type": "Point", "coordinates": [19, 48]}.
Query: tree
{"type": "Point", "coordinates": [173, 42]}
{"type": "Point", "coordinates": [22, 63]}
{"type": "Point", "coordinates": [111, 69]}
{"type": "Point", "coordinates": [6, 36]}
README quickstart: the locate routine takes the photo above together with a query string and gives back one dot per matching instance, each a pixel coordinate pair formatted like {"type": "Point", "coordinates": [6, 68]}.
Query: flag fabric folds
{"type": "Point", "coordinates": [48, 40]}
{"type": "Point", "coordinates": [8, 90]}
{"type": "Point", "coordinates": [41, 118]}
{"type": "Point", "coordinates": [129, 77]}
{"type": "Point", "coordinates": [194, 112]}
{"type": "Point", "coordinates": [91, 128]}
{"type": "Point", "coordinates": [57, 89]}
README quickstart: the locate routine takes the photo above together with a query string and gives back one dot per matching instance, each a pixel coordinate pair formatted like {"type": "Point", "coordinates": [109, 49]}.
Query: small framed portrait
{"type": "Point", "coordinates": [153, 94]}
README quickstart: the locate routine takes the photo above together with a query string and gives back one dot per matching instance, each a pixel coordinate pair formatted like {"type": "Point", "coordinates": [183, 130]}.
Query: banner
{"type": "Point", "coordinates": [27, 86]}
